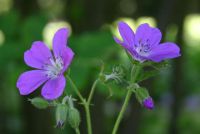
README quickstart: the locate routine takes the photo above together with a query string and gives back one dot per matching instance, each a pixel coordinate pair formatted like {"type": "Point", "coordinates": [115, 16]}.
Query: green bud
{"type": "Point", "coordinates": [61, 115]}
{"type": "Point", "coordinates": [39, 103]}
{"type": "Point", "coordinates": [141, 94]}
{"type": "Point", "coordinates": [74, 118]}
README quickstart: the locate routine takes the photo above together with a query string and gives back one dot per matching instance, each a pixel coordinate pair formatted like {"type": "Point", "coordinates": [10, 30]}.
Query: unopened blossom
{"type": "Point", "coordinates": [145, 43]}
{"type": "Point", "coordinates": [48, 69]}
{"type": "Point", "coordinates": [148, 103]}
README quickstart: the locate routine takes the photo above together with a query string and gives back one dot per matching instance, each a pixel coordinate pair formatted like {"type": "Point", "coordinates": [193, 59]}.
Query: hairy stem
{"type": "Point", "coordinates": [84, 102]}
{"type": "Point", "coordinates": [76, 89]}
{"type": "Point", "coordinates": [119, 118]}
{"type": "Point", "coordinates": [134, 73]}
{"type": "Point", "coordinates": [92, 91]}
{"type": "Point", "coordinates": [88, 118]}
{"type": "Point", "coordinates": [87, 106]}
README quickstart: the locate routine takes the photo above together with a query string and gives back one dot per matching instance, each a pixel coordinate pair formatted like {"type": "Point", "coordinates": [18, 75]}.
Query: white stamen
{"type": "Point", "coordinates": [143, 48]}
{"type": "Point", "coordinates": [54, 69]}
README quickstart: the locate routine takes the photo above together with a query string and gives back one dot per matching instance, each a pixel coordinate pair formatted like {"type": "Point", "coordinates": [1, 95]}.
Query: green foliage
{"type": "Point", "coordinates": [32, 29]}
{"type": "Point", "coordinates": [9, 24]}
{"type": "Point", "coordinates": [90, 49]}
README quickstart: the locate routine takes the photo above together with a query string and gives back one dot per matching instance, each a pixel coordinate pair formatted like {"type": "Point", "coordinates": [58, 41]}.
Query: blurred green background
{"type": "Point", "coordinates": [93, 24]}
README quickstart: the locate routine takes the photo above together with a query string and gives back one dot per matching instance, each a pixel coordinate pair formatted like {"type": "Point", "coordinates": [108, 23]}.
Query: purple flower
{"type": "Point", "coordinates": [145, 43]}
{"type": "Point", "coordinates": [148, 103]}
{"type": "Point", "coordinates": [49, 69]}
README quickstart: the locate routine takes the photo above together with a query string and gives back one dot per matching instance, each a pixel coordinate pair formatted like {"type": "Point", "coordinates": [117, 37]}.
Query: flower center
{"type": "Point", "coordinates": [143, 47]}
{"type": "Point", "coordinates": [54, 69]}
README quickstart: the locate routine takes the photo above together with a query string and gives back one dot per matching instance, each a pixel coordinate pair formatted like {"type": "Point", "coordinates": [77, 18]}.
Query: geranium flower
{"type": "Point", "coordinates": [145, 43]}
{"type": "Point", "coordinates": [49, 69]}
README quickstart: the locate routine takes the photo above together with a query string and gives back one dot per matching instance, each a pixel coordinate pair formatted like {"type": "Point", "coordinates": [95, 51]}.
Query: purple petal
{"type": "Point", "coordinates": [54, 88]}
{"type": "Point", "coordinates": [67, 57]}
{"type": "Point", "coordinates": [60, 48]}
{"type": "Point", "coordinates": [118, 41]}
{"type": "Point", "coordinates": [146, 33]}
{"type": "Point", "coordinates": [30, 81]}
{"type": "Point", "coordinates": [38, 55]}
{"type": "Point", "coordinates": [164, 51]}
{"type": "Point", "coordinates": [60, 42]}
{"type": "Point", "coordinates": [126, 33]}
{"type": "Point", "coordinates": [130, 49]}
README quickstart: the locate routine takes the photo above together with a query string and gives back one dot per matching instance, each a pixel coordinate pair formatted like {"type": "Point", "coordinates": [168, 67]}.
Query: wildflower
{"type": "Point", "coordinates": [148, 103]}
{"type": "Point", "coordinates": [49, 68]}
{"type": "Point", "coordinates": [145, 43]}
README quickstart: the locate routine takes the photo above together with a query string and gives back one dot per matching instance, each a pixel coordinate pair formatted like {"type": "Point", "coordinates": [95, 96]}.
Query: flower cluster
{"type": "Point", "coordinates": [49, 68]}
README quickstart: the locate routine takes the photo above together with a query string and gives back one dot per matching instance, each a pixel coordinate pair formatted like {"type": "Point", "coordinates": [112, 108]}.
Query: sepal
{"type": "Point", "coordinates": [61, 115]}
{"type": "Point", "coordinates": [74, 117]}
{"type": "Point", "coordinates": [143, 97]}
{"type": "Point", "coordinates": [39, 103]}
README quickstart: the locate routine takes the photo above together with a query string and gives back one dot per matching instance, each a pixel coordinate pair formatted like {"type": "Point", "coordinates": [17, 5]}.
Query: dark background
{"type": "Point", "coordinates": [93, 23]}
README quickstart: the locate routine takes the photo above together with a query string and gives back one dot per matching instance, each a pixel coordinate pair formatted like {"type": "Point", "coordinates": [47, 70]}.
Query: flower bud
{"type": "Point", "coordinates": [39, 103]}
{"type": "Point", "coordinates": [143, 97]}
{"type": "Point", "coordinates": [148, 103]}
{"type": "Point", "coordinates": [74, 117]}
{"type": "Point", "coordinates": [61, 115]}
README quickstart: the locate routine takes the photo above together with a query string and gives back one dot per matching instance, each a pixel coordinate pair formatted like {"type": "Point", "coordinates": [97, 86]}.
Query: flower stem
{"type": "Point", "coordinates": [119, 118]}
{"type": "Point", "coordinates": [92, 91]}
{"type": "Point", "coordinates": [87, 106]}
{"type": "Point", "coordinates": [88, 118]}
{"type": "Point", "coordinates": [84, 102]}
{"type": "Point", "coordinates": [134, 73]}
{"type": "Point", "coordinates": [76, 89]}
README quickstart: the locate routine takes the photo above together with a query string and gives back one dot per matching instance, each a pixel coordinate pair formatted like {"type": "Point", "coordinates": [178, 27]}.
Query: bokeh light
{"type": "Point", "coordinates": [131, 22]}
{"type": "Point", "coordinates": [51, 28]}
{"type": "Point", "coordinates": [5, 5]}
{"type": "Point", "coordinates": [192, 30]}
{"type": "Point", "coordinates": [145, 19]}
{"type": "Point", "coordinates": [2, 38]}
